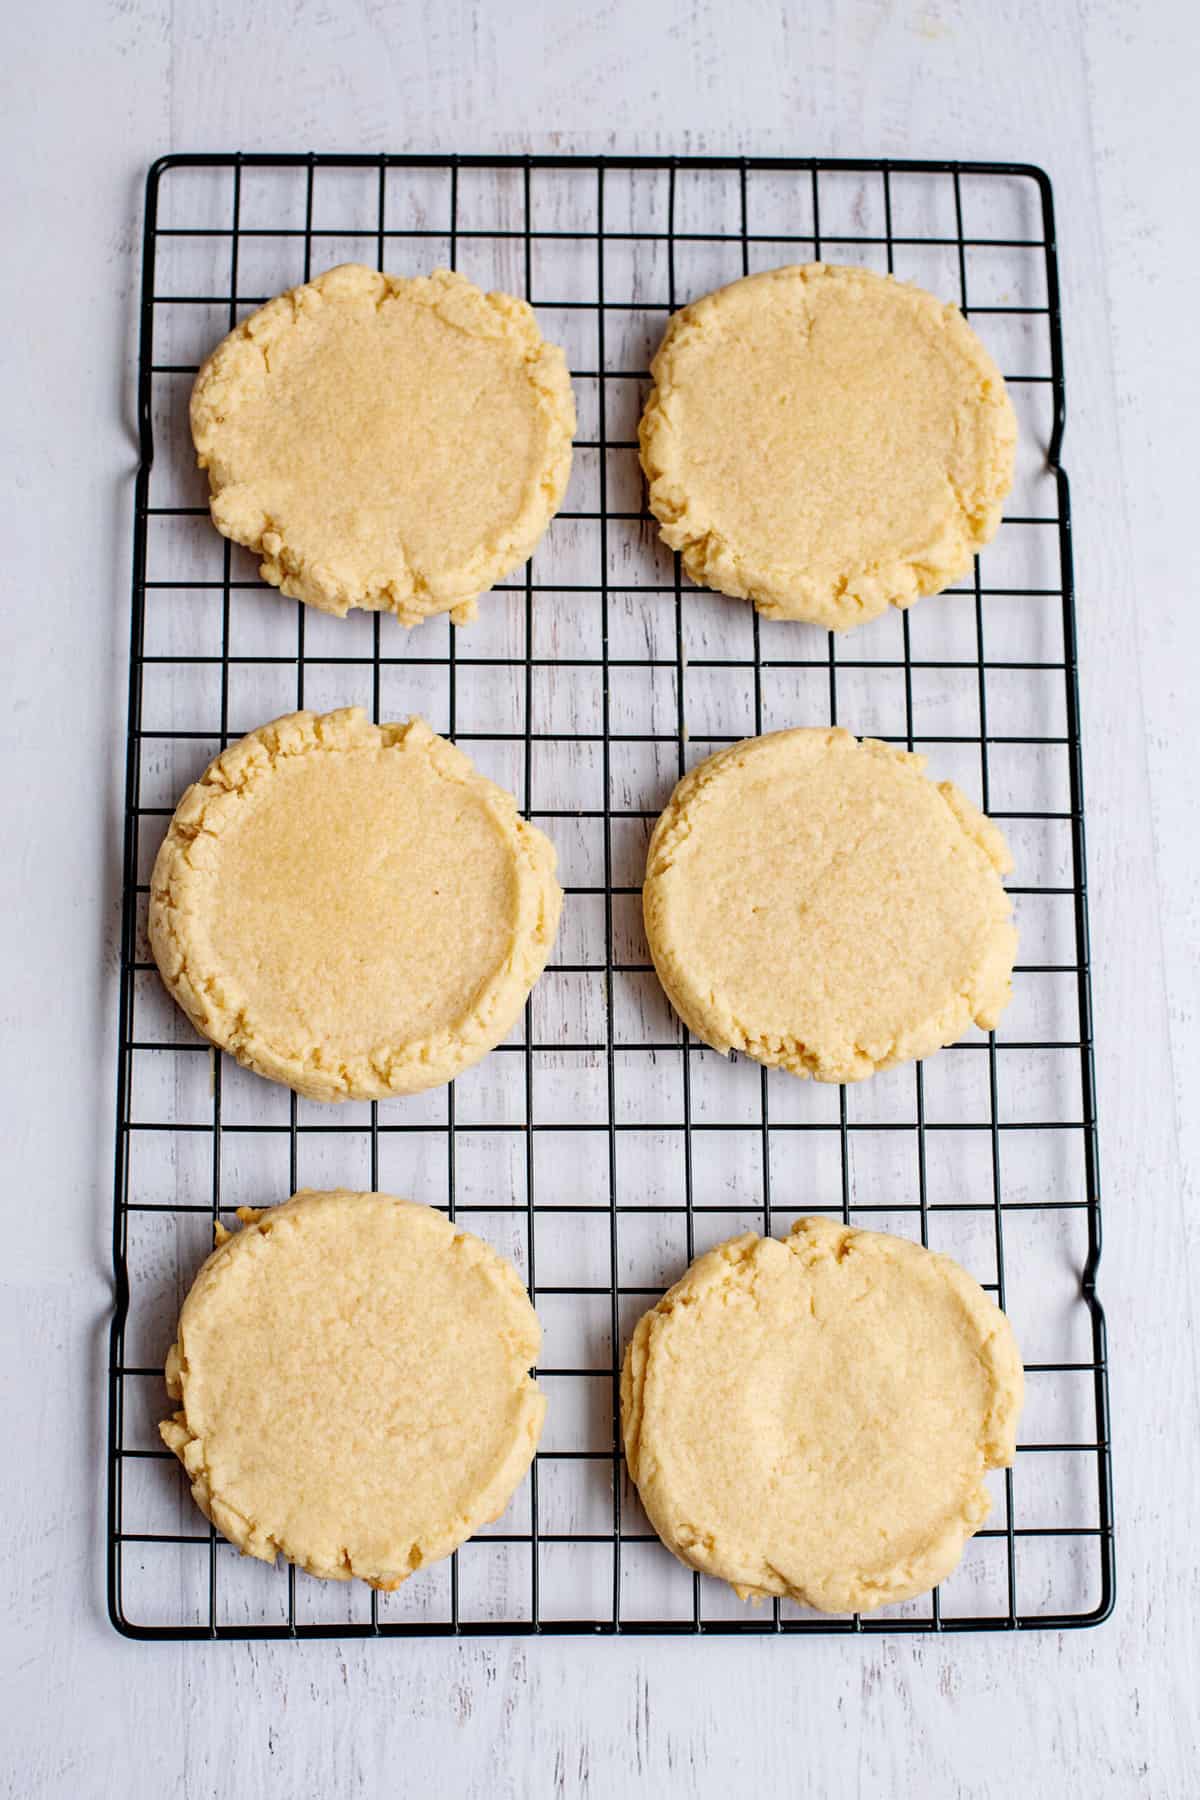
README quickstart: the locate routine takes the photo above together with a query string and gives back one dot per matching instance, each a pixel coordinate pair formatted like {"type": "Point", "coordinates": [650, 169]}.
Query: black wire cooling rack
{"type": "Point", "coordinates": [600, 1147]}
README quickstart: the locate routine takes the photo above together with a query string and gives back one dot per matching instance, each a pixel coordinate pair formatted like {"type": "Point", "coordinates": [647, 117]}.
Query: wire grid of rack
{"type": "Point", "coordinates": [600, 1146]}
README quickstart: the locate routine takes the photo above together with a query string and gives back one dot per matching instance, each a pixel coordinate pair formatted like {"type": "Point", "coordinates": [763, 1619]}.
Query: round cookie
{"type": "Point", "coordinates": [814, 1418]}
{"type": "Point", "coordinates": [816, 902]}
{"type": "Point", "coordinates": [826, 442]}
{"type": "Point", "coordinates": [351, 908]}
{"type": "Point", "coordinates": [355, 1388]}
{"type": "Point", "coordinates": [396, 444]}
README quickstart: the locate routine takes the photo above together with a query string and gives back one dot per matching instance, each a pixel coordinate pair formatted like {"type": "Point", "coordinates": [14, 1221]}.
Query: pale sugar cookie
{"type": "Point", "coordinates": [354, 1387]}
{"type": "Point", "coordinates": [816, 902]}
{"type": "Point", "coordinates": [815, 1418]}
{"type": "Point", "coordinates": [826, 442]}
{"type": "Point", "coordinates": [351, 908]}
{"type": "Point", "coordinates": [397, 444]}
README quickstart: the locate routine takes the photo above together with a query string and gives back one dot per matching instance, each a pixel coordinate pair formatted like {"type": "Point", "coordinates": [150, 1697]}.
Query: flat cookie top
{"type": "Point", "coordinates": [814, 1418]}
{"type": "Point", "coordinates": [816, 902]}
{"type": "Point", "coordinates": [355, 1387]}
{"type": "Point", "coordinates": [351, 908]}
{"type": "Point", "coordinates": [826, 442]}
{"type": "Point", "coordinates": [387, 443]}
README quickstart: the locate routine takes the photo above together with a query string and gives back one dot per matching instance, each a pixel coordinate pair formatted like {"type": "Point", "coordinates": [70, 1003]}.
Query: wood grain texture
{"type": "Point", "coordinates": [1104, 100]}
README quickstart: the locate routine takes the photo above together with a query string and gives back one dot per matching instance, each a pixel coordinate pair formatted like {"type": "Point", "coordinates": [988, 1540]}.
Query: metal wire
{"type": "Point", "coordinates": [1091, 1532]}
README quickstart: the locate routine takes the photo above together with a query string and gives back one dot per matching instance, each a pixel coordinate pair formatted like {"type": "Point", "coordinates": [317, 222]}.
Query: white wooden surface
{"type": "Point", "coordinates": [1103, 97]}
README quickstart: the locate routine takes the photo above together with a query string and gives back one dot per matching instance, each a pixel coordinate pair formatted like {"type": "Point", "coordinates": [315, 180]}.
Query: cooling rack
{"type": "Point", "coordinates": [600, 1146]}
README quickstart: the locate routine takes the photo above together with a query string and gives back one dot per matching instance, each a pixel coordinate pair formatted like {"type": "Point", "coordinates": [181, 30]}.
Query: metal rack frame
{"type": "Point", "coordinates": [1096, 1535]}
